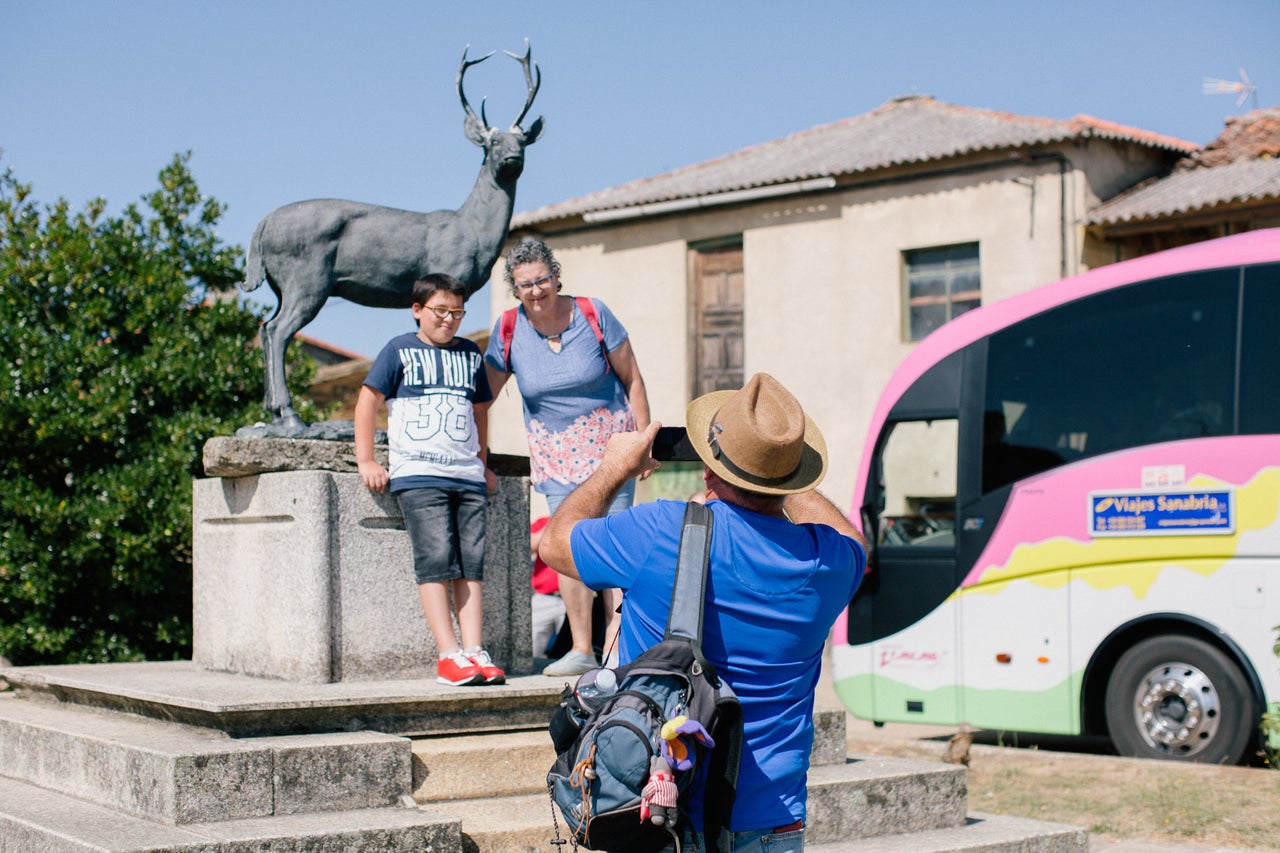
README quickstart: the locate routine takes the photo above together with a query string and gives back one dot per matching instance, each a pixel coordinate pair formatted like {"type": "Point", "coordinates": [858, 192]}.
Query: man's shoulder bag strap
{"type": "Point", "coordinates": [688, 595]}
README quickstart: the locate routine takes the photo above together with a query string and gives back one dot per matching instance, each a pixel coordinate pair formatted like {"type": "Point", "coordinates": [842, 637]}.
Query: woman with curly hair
{"type": "Point", "coordinates": [580, 383]}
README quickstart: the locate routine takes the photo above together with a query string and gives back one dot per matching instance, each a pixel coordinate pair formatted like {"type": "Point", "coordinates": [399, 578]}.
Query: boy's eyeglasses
{"type": "Point", "coordinates": [540, 283]}
{"type": "Point", "coordinates": [449, 313]}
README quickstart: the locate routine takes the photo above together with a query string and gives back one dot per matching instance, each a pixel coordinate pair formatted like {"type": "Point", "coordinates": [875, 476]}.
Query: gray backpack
{"type": "Point", "coordinates": [617, 781]}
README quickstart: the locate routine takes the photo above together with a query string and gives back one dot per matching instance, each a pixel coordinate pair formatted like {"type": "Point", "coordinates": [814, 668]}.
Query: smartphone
{"type": "Point", "coordinates": [672, 445]}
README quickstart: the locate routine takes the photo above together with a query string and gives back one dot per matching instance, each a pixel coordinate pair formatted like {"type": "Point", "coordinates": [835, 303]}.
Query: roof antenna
{"type": "Point", "coordinates": [1242, 87]}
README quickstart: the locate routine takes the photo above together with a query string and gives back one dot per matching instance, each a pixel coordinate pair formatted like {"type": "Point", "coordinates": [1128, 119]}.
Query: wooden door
{"type": "Point", "coordinates": [717, 321]}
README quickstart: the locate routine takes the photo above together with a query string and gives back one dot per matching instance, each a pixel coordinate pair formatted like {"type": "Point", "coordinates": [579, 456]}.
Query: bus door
{"type": "Point", "coordinates": [909, 517]}
{"type": "Point", "coordinates": [898, 610]}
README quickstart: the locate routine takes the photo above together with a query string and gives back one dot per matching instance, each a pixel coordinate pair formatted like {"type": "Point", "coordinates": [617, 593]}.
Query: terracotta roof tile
{"type": "Point", "coordinates": [1241, 166]}
{"type": "Point", "coordinates": [1247, 137]}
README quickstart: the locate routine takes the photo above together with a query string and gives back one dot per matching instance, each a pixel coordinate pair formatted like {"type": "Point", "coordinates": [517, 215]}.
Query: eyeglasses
{"type": "Point", "coordinates": [540, 283]}
{"type": "Point", "coordinates": [449, 313]}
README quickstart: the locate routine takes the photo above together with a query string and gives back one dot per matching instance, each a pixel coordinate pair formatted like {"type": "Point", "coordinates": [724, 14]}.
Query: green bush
{"type": "Point", "coordinates": [1271, 722]}
{"type": "Point", "coordinates": [120, 362]}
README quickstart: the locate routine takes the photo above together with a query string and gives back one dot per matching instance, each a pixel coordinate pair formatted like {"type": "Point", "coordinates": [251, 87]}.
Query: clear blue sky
{"type": "Point", "coordinates": [284, 101]}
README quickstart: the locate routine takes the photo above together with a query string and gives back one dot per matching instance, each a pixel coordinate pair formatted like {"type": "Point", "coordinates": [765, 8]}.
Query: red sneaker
{"type": "Point", "coordinates": [457, 669]}
{"type": "Point", "coordinates": [490, 673]}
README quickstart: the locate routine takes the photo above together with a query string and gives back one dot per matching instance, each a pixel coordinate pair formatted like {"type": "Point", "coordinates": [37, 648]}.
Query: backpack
{"type": "Point", "coordinates": [507, 329]}
{"type": "Point", "coordinates": [633, 744]}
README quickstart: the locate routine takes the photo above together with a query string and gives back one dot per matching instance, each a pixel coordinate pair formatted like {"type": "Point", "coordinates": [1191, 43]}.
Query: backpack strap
{"type": "Point", "coordinates": [588, 309]}
{"type": "Point", "coordinates": [688, 594]}
{"type": "Point", "coordinates": [688, 598]}
{"type": "Point", "coordinates": [507, 331]}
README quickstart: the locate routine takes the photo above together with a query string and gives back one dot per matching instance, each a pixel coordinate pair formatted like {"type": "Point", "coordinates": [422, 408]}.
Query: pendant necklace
{"type": "Point", "coordinates": [553, 341]}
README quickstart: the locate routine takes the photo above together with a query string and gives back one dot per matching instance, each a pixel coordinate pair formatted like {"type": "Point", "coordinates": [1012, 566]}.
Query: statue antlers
{"type": "Point", "coordinates": [371, 255]}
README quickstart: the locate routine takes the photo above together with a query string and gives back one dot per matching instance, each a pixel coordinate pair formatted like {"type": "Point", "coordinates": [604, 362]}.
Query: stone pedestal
{"type": "Point", "coordinates": [307, 576]}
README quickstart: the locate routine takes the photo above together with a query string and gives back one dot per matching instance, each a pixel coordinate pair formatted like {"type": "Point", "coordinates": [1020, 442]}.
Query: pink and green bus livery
{"type": "Point", "coordinates": [1073, 503]}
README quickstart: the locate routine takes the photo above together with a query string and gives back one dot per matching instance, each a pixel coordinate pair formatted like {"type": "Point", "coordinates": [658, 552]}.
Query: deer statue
{"type": "Point", "coordinates": [371, 255]}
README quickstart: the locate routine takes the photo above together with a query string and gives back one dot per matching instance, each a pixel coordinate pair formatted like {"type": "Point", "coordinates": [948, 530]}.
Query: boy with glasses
{"type": "Point", "coordinates": [437, 397]}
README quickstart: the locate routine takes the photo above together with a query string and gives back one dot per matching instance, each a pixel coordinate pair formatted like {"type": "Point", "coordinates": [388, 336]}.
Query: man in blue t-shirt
{"type": "Point", "coordinates": [784, 564]}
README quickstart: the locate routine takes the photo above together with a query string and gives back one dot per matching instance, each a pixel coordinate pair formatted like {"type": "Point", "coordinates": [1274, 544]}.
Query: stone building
{"type": "Point", "coordinates": [822, 257]}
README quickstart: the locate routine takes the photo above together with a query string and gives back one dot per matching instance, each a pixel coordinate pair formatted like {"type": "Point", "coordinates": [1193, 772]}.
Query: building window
{"type": "Point", "coordinates": [942, 284]}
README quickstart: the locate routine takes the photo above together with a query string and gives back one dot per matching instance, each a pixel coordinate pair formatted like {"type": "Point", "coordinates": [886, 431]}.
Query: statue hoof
{"type": "Point", "coordinates": [289, 421]}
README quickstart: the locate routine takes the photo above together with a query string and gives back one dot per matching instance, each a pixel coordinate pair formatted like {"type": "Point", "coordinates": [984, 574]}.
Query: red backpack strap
{"type": "Point", "coordinates": [588, 309]}
{"type": "Point", "coordinates": [507, 331]}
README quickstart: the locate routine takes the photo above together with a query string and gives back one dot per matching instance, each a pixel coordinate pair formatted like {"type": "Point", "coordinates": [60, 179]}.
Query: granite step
{"type": "Point", "coordinates": [247, 706]}
{"type": "Point", "coordinates": [179, 774]}
{"type": "Point", "coordinates": [504, 764]}
{"type": "Point", "coordinates": [981, 833]}
{"type": "Point", "coordinates": [862, 797]}
{"type": "Point", "coordinates": [35, 819]}
{"type": "Point", "coordinates": [878, 795]}
{"type": "Point", "coordinates": [523, 824]}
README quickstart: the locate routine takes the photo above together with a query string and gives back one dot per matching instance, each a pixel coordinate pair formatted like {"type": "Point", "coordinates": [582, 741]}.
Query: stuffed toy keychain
{"type": "Point", "coordinates": [678, 736]}
{"type": "Point", "coordinates": [658, 801]}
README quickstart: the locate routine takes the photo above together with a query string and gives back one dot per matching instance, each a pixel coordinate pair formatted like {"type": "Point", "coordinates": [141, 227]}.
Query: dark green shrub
{"type": "Point", "coordinates": [120, 361]}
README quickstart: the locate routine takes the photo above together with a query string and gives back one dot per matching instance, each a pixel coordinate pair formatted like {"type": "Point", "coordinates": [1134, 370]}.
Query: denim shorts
{"type": "Point", "coordinates": [623, 501]}
{"type": "Point", "coordinates": [446, 529]}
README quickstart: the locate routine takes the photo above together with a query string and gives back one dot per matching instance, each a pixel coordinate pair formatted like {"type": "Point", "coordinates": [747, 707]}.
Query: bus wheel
{"type": "Point", "coordinates": [1180, 698]}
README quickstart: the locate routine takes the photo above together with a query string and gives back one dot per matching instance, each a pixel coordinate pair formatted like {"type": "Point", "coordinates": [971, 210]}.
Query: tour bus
{"type": "Point", "coordinates": [1072, 504]}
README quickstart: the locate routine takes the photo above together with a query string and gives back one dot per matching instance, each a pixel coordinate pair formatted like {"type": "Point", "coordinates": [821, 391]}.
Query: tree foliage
{"type": "Point", "coordinates": [119, 366]}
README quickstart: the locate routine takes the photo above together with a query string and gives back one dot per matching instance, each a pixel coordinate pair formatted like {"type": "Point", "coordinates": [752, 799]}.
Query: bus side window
{"type": "Point", "coordinates": [918, 473]}
{"type": "Point", "coordinates": [1149, 362]}
{"type": "Point", "coordinates": [1004, 462]}
{"type": "Point", "coordinates": [1259, 402]}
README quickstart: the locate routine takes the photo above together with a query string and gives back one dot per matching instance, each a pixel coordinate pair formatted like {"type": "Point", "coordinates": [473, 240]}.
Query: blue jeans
{"type": "Point", "coordinates": [749, 841]}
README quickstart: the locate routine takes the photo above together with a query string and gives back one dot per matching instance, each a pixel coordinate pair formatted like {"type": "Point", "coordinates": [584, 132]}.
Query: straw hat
{"type": "Point", "coordinates": [758, 438]}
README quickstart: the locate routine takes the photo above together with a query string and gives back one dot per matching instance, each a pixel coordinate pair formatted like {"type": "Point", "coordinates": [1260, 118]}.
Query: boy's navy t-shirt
{"type": "Point", "coordinates": [431, 425]}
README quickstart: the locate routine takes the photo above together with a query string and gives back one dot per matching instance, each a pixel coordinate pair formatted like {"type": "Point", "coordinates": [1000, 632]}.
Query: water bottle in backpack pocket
{"type": "Point", "coordinates": [579, 702]}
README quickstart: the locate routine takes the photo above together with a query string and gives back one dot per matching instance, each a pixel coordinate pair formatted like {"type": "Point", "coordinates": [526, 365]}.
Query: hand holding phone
{"type": "Point", "coordinates": [672, 445]}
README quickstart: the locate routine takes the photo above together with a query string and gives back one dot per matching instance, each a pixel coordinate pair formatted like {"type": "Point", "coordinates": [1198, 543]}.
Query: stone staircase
{"type": "Point", "coordinates": [170, 757]}
{"type": "Point", "coordinates": [493, 785]}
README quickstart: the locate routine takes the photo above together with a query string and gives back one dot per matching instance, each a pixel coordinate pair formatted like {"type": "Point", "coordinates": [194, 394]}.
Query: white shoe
{"type": "Point", "coordinates": [574, 663]}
